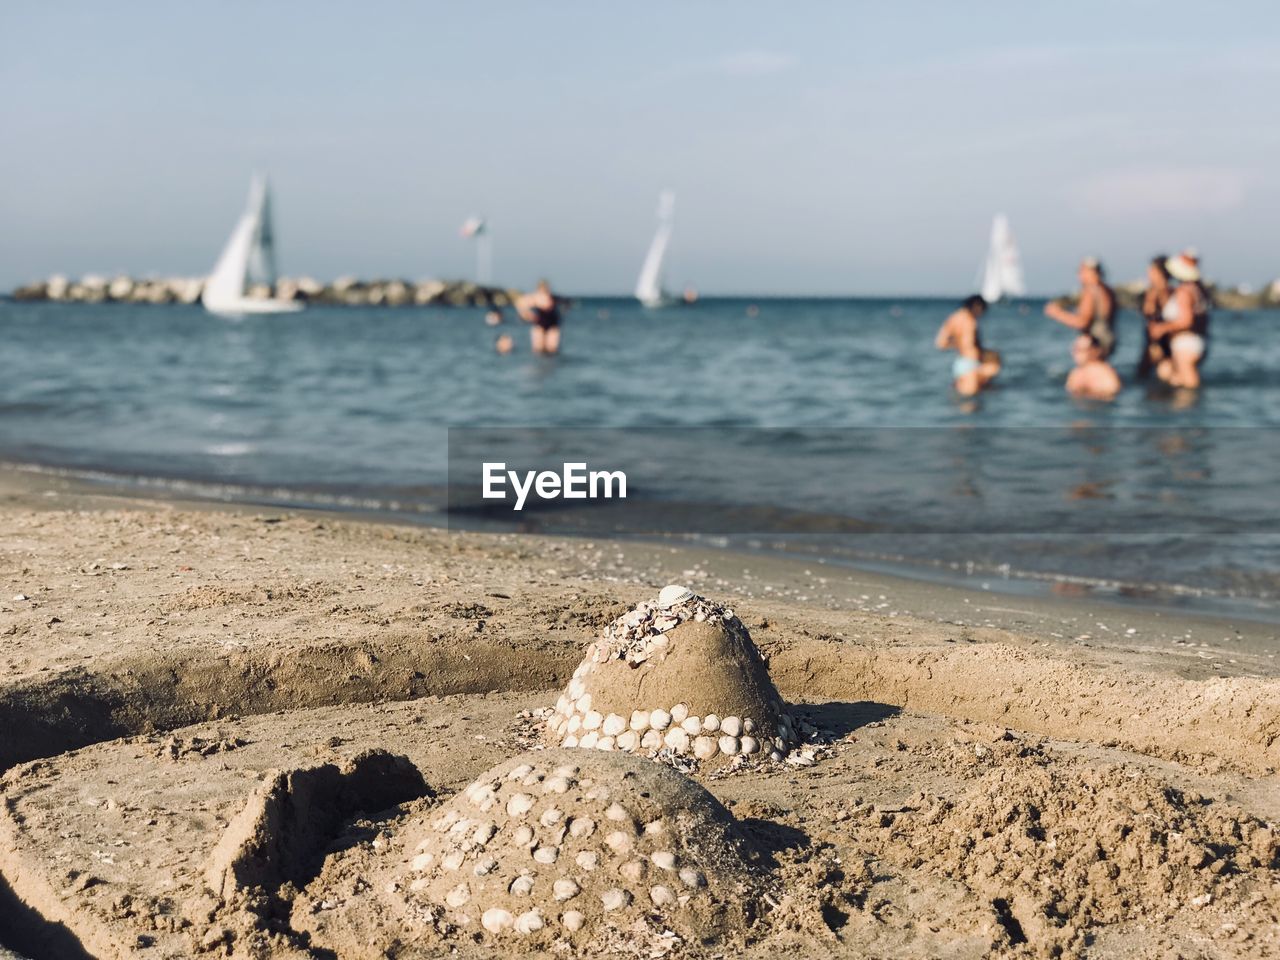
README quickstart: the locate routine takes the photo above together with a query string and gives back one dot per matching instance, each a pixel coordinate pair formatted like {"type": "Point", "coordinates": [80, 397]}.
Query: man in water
{"type": "Point", "coordinates": [542, 309]}
{"type": "Point", "coordinates": [974, 368]}
{"type": "Point", "coordinates": [1095, 314]}
{"type": "Point", "coordinates": [1092, 378]}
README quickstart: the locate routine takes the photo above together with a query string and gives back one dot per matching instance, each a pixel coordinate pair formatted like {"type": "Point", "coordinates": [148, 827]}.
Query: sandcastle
{"type": "Point", "coordinates": [570, 842]}
{"type": "Point", "coordinates": [678, 678]}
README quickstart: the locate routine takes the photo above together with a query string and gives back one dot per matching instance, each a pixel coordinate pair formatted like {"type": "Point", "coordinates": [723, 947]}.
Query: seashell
{"type": "Point", "coordinates": [497, 920]}
{"type": "Point", "coordinates": [593, 720]}
{"type": "Point", "coordinates": [662, 896]}
{"type": "Point", "coordinates": [664, 860]}
{"type": "Point", "coordinates": [692, 726]}
{"type": "Point", "coordinates": [692, 878]}
{"type": "Point", "coordinates": [613, 725]}
{"type": "Point", "coordinates": [520, 772]}
{"type": "Point", "coordinates": [575, 689]}
{"type": "Point", "coordinates": [619, 842]}
{"type": "Point", "coordinates": [659, 719]}
{"type": "Point", "coordinates": [677, 740]}
{"type": "Point", "coordinates": [659, 643]}
{"type": "Point", "coordinates": [462, 826]}
{"type": "Point", "coordinates": [588, 860]}
{"type": "Point", "coordinates": [731, 726]}
{"type": "Point", "coordinates": [582, 827]}
{"type": "Point", "coordinates": [447, 820]}
{"type": "Point", "coordinates": [588, 740]}
{"type": "Point", "coordinates": [551, 816]}
{"type": "Point", "coordinates": [566, 770]}
{"type": "Point", "coordinates": [485, 866]}
{"type": "Point", "coordinates": [628, 741]}
{"type": "Point", "coordinates": [573, 920]}
{"type": "Point", "coordinates": [562, 705]}
{"type": "Point", "coordinates": [519, 805]}
{"type": "Point", "coordinates": [640, 720]}
{"type": "Point", "coordinates": [710, 723]}
{"type": "Point", "coordinates": [422, 861]}
{"type": "Point", "coordinates": [679, 712]}
{"type": "Point", "coordinates": [556, 785]}
{"type": "Point", "coordinates": [565, 889]}
{"type": "Point", "coordinates": [546, 854]}
{"type": "Point", "coordinates": [670, 596]}
{"type": "Point", "coordinates": [483, 834]}
{"type": "Point", "coordinates": [452, 861]}
{"type": "Point", "coordinates": [522, 885]}
{"type": "Point", "coordinates": [704, 748]}
{"type": "Point", "coordinates": [728, 745]}
{"type": "Point", "coordinates": [574, 725]}
{"type": "Point", "coordinates": [655, 828]}
{"type": "Point", "coordinates": [605, 743]}
{"type": "Point", "coordinates": [750, 745]}
{"type": "Point", "coordinates": [458, 896]}
{"type": "Point", "coordinates": [529, 921]}
{"type": "Point", "coordinates": [779, 744]}
{"type": "Point", "coordinates": [748, 725]}
{"type": "Point", "coordinates": [570, 741]}
{"type": "Point", "coordinates": [583, 704]}
{"type": "Point", "coordinates": [633, 870]}
{"type": "Point", "coordinates": [775, 756]}
{"type": "Point", "coordinates": [523, 835]}
{"type": "Point", "coordinates": [652, 740]}
{"type": "Point", "coordinates": [533, 779]}
{"type": "Point", "coordinates": [615, 899]}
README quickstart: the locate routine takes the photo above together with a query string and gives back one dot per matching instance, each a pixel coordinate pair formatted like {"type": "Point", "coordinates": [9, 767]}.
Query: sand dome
{"type": "Point", "coordinates": [567, 843]}
{"type": "Point", "coordinates": [676, 678]}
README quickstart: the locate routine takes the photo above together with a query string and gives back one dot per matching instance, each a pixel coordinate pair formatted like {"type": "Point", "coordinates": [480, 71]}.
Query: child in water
{"type": "Point", "coordinates": [1092, 377]}
{"type": "Point", "coordinates": [973, 368]}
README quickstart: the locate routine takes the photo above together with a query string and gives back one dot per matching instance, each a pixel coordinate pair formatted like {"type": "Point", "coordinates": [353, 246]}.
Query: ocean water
{"type": "Point", "coordinates": [351, 407]}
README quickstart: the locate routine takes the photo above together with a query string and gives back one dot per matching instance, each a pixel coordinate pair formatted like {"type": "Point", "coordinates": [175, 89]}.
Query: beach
{"type": "Point", "coordinates": [991, 775]}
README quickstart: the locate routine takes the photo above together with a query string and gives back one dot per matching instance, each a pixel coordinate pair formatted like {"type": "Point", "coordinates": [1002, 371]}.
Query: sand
{"type": "Point", "coordinates": [225, 730]}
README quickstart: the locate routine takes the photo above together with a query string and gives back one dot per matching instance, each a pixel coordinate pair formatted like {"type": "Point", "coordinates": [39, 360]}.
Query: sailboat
{"type": "Point", "coordinates": [649, 289]}
{"type": "Point", "coordinates": [1002, 272]}
{"type": "Point", "coordinates": [248, 258]}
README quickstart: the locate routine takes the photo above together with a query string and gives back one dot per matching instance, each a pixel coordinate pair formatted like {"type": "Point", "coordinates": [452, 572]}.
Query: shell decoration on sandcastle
{"type": "Point", "coordinates": [560, 843]}
{"type": "Point", "coordinates": [676, 679]}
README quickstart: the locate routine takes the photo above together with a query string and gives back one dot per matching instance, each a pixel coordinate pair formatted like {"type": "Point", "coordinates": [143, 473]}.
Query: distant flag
{"type": "Point", "coordinates": [473, 227]}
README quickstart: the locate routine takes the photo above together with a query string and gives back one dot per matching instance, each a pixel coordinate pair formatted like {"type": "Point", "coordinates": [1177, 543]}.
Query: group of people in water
{"type": "Point", "coordinates": [541, 309]}
{"type": "Point", "coordinates": [1175, 312]}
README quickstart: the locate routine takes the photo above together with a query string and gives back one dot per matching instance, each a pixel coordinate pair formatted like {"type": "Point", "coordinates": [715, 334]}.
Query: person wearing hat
{"type": "Point", "coordinates": [1185, 321]}
{"type": "Point", "coordinates": [1096, 313]}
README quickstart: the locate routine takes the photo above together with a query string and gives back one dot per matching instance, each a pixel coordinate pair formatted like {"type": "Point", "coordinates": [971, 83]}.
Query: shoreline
{"type": "Point", "coordinates": [1026, 596]}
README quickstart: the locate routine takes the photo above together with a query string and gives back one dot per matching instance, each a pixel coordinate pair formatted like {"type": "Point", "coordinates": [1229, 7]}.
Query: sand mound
{"type": "Point", "coordinates": [676, 677]}
{"type": "Point", "coordinates": [566, 844]}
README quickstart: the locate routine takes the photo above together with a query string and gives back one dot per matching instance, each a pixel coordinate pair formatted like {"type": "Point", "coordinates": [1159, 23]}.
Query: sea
{"type": "Point", "coordinates": [353, 409]}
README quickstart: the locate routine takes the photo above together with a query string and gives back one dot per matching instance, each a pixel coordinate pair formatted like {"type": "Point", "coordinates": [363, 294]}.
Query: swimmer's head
{"type": "Point", "coordinates": [975, 305]}
{"type": "Point", "coordinates": [1091, 270]}
{"type": "Point", "coordinates": [1085, 349]}
{"type": "Point", "coordinates": [504, 344]}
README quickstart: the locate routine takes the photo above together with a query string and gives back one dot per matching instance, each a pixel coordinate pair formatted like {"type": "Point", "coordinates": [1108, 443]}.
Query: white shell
{"type": "Point", "coordinates": [731, 726]}
{"type": "Point", "coordinates": [652, 740]}
{"type": "Point", "coordinates": [497, 920]}
{"type": "Point", "coordinates": [628, 741]}
{"type": "Point", "coordinates": [589, 739]}
{"type": "Point", "coordinates": [570, 741]}
{"type": "Point", "coordinates": [619, 842]}
{"type": "Point", "coordinates": [613, 725]}
{"type": "Point", "coordinates": [519, 805]}
{"type": "Point", "coordinates": [546, 854]}
{"type": "Point", "coordinates": [664, 859]}
{"type": "Point", "coordinates": [592, 720]}
{"type": "Point", "coordinates": [692, 878]}
{"type": "Point", "coordinates": [529, 921]}
{"type": "Point", "coordinates": [659, 719]}
{"type": "Point", "coordinates": [704, 748]}
{"type": "Point", "coordinates": [582, 827]}
{"type": "Point", "coordinates": [618, 813]}
{"type": "Point", "coordinates": [662, 896]}
{"type": "Point", "coordinates": [750, 745]}
{"type": "Point", "coordinates": [604, 743]}
{"type": "Point", "coordinates": [573, 920]}
{"type": "Point", "coordinates": [640, 720]}
{"type": "Point", "coordinates": [729, 745]}
{"type": "Point", "coordinates": [574, 724]}
{"type": "Point", "coordinates": [748, 725]}
{"type": "Point", "coordinates": [679, 712]}
{"type": "Point", "coordinates": [565, 889]}
{"type": "Point", "coordinates": [587, 860]}
{"type": "Point", "coordinates": [458, 896]}
{"type": "Point", "coordinates": [710, 723]}
{"type": "Point", "coordinates": [692, 726]}
{"type": "Point", "coordinates": [615, 899]}
{"type": "Point", "coordinates": [677, 740]}
{"type": "Point", "coordinates": [673, 594]}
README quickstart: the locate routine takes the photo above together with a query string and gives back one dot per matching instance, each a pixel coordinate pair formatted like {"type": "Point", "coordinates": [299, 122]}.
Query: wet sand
{"type": "Point", "coordinates": [996, 775]}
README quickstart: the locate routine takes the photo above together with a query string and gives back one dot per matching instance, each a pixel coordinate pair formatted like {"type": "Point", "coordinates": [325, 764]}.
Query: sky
{"type": "Point", "coordinates": [817, 148]}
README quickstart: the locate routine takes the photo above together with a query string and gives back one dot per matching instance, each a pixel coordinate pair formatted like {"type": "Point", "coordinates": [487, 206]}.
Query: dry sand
{"type": "Point", "coordinates": [227, 729]}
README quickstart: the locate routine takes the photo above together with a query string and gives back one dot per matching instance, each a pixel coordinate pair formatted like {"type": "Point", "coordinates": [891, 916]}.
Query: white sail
{"type": "Point", "coordinates": [1002, 272]}
{"type": "Point", "coordinates": [649, 289]}
{"type": "Point", "coordinates": [248, 258]}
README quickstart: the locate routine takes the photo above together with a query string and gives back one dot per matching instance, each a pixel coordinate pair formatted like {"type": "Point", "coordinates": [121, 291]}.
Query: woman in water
{"type": "Point", "coordinates": [1095, 316]}
{"type": "Point", "coordinates": [1092, 378]}
{"type": "Point", "coordinates": [1185, 321]}
{"type": "Point", "coordinates": [541, 309]}
{"type": "Point", "coordinates": [1154, 349]}
{"type": "Point", "coordinates": [973, 368]}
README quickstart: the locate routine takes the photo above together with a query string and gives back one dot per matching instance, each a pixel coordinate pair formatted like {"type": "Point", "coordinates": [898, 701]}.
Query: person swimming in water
{"type": "Point", "coordinates": [1095, 316]}
{"type": "Point", "coordinates": [1154, 348]}
{"type": "Point", "coordinates": [1092, 378]}
{"type": "Point", "coordinates": [542, 309]}
{"type": "Point", "coordinates": [973, 368]}
{"type": "Point", "coordinates": [1185, 321]}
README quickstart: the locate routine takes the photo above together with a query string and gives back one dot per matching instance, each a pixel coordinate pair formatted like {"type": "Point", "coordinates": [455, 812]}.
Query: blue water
{"type": "Point", "coordinates": [358, 400]}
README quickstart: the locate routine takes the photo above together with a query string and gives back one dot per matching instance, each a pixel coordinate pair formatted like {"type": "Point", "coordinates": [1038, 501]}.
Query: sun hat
{"type": "Point", "coordinates": [1183, 267]}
